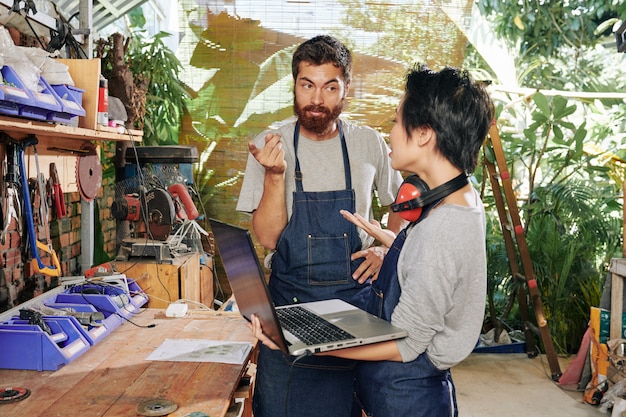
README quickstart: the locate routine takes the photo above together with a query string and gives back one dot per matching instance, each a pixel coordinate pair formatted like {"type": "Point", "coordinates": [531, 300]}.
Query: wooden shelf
{"type": "Point", "coordinates": [20, 128]}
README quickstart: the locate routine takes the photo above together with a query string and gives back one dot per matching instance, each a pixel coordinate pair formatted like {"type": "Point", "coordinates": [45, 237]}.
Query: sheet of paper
{"type": "Point", "coordinates": [200, 350]}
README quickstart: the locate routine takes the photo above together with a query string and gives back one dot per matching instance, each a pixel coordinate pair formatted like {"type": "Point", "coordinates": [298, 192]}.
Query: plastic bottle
{"type": "Point", "coordinates": [103, 102]}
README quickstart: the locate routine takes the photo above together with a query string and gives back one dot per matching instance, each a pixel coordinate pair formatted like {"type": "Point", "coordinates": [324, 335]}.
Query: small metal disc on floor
{"type": "Point", "coordinates": [156, 407]}
{"type": "Point", "coordinates": [12, 394]}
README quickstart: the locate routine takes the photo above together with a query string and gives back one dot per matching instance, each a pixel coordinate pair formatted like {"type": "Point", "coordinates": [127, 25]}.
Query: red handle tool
{"type": "Point", "coordinates": [59, 199]}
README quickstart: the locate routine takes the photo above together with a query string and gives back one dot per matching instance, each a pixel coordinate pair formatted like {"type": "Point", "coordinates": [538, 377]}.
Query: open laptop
{"type": "Point", "coordinates": [243, 269]}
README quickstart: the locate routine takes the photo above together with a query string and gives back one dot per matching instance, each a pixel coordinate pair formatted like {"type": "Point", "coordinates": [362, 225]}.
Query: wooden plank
{"type": "Point", "coordinates": [86, 75]}
{"type": "Point", "coordinates": [618, 266]}
{"type": "Point", "coordinates": [617, 291]}
{"type": "Point", "coordinates": [165, 283]}
{"type": "Point", "coordinates": [159, 281]}
{"type": "Point", "coordinates": [207, 293]}
{"type": "Point", "coordinates": [47, 132]}
{"type": "Point", "coordinates": [190, 278]}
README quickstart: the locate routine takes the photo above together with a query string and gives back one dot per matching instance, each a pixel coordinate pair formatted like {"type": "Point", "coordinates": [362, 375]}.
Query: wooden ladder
{"type": "Point", "coordinates": [513, 232]}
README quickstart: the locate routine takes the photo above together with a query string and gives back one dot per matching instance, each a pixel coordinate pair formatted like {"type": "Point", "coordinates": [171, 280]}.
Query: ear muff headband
{"type": "Point", "coordinates": [414, 194]}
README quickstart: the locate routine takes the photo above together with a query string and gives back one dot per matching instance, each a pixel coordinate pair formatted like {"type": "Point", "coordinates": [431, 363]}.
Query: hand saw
{"type": "Point", "coordinates": [37, 264]}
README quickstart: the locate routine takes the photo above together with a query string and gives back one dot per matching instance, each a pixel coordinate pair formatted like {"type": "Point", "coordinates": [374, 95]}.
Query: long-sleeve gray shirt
{"type": "Point", "coordinates": [443, 276]}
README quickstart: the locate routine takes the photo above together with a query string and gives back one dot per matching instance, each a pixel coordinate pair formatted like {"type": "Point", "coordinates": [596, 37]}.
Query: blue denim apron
{"type": "Point", "coordinates": [312, 259]}
{"type": "Point", "coordinates": [387, 388]}
{"type": "Point", "coordinates": [312, 262]}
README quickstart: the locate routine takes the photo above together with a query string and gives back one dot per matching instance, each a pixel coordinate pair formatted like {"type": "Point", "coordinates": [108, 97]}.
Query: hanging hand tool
{"type": "Point", "coordinates": [38, 266]}
{"type": "Point", "coordinates": [59, 199]}
{"type": "Point", "coordinates": [11, 208]}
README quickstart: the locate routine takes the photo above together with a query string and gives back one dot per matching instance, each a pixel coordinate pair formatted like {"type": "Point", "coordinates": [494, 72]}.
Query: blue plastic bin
{"type": "Point", "coordinates": [12, 92]}
{"type": "Point", "coordinates": [71, 99]}
{"type": "Point", "coordinates": [93, 333]}
{"type": "Point", "coordinates": [45, 103]}
{"type": "Point", "coordinates": [27, 346]}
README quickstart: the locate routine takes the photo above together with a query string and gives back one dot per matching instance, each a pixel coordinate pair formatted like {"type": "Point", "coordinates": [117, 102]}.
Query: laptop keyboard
{"type": "Point", "coordinates": [308, 327]}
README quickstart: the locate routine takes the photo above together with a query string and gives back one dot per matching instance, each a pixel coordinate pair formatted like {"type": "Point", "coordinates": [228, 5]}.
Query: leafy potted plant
{"type": "Point", "coordinates": [143, 73]}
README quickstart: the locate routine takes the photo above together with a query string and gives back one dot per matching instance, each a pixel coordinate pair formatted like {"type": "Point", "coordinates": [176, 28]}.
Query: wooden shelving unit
{"type": "Point", "coordinates": [19, 128]}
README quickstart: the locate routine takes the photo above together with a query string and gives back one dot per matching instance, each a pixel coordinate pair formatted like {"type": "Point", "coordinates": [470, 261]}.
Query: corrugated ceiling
{"type": "Point", "coordinates": [105, 12]}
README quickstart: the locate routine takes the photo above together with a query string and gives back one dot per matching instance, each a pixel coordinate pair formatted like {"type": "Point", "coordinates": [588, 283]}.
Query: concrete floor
{"type": "Point", "coordinates": [514, 385]}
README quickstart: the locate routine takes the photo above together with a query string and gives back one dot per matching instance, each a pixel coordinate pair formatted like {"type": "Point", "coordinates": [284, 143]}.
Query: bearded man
{"type": "Point", "coordinates": [298, 178]}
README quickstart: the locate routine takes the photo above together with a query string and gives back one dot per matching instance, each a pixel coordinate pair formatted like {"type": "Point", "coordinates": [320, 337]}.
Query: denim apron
{"type": "Point", "coordinates": [388, 388]}
{"type": "Point", "coordinates": [312, 262]}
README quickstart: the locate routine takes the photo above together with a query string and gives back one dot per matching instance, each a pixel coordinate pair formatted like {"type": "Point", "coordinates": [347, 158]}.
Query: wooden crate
{"type": "Point", "coordinates": [166, 283]}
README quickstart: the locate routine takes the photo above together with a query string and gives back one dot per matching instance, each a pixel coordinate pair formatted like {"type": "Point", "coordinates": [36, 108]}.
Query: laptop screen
{"type": "Point", "coordinates": [246, 277]}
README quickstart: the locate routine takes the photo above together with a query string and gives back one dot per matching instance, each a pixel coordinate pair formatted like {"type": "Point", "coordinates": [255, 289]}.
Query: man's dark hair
{"type": "Point", "coordinates": [323, 49]}
{"type": "Point", "coordinates": [456, 107]}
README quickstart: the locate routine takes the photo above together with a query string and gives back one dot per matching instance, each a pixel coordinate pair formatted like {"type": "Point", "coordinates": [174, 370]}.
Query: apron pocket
{"type": "Point", "coordinates": [329, 260]}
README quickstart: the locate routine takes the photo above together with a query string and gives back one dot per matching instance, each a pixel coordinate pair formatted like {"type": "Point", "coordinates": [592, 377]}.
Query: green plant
{"type": "Point", "coordinates": [157, 95]}
{"type": "Point", "coordinates": [152, 62]}
{"type": "Point", "coordinates": [568, 202]}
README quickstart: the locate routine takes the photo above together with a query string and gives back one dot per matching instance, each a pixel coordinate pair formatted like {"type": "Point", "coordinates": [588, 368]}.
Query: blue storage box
{"type": "Point", "coordinates": [44, 103]}
{"type": "Point", "coordinates": [12, 92]}
{"type": "Point", "coordinates": [93, 333]}
{"type": "Point", "coordinates": [138, 297]}
{"type": "Point", "coordinates": [28, 346]}
{"type": "Point", "coordinates": [71, 99]}
{"type": "Point", "coordinates": [122, 300]}
{"type": "Point", "coordinates": [8, 108]}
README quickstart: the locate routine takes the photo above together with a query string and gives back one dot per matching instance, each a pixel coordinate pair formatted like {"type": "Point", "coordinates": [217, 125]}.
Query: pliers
{"type": "Point", "coordinates": [12, 209]}
{"type": "Point", "coordinates": [59, 199]}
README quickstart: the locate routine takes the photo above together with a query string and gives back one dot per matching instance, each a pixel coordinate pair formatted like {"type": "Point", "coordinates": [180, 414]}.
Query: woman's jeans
{"type": "Point", "coordinates": [411, 389]}
{"type": "Point", "coordinates": [313, 386]}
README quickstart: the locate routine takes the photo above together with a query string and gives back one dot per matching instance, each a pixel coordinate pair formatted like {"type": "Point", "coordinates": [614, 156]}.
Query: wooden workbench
{"type": "Point", "coordinates": [113, 377]}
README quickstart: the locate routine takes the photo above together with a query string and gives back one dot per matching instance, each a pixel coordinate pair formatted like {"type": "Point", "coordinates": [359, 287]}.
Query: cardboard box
{"type": "Point", "coordinates": [86, 76]}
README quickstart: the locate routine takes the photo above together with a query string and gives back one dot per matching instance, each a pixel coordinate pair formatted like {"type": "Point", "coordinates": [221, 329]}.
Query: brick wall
{"type": "Point", "coordinates": [18, 281]}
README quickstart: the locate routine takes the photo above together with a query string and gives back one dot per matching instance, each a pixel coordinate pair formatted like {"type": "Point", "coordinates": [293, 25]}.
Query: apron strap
{"type": "Point", "coordinates": [344, 150]}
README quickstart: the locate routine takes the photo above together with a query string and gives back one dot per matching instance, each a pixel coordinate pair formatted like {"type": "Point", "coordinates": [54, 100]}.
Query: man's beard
{"type": "Point", "coordinates": [319, 124]}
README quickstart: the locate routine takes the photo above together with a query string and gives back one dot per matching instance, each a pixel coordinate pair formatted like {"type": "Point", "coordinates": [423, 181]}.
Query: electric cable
{"type": "Point", "coordinates": [299, 357]}
{"type": "Point", "coordinates": [216, 281]}
{"type": "Point", "coordinates": [144, 211]}
{"type": "Point", "coordinates": [104, 310]}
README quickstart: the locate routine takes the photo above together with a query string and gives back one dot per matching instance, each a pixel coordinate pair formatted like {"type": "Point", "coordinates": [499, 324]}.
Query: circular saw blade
{"type": "Point", "coordinates": [156, 407]}
{"type": "Point", "coordinates": [89, 173]}
{"type": "Point", "coordinates": [12, 394]}
{"type": "Point", "coordinates": [161, 213]}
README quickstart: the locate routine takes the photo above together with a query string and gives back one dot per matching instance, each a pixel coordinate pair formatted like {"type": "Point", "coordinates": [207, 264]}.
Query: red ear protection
{"type": "Point", "coordinates": [414, 195]}
{"type": "Point", "coordinates": [408, 194]}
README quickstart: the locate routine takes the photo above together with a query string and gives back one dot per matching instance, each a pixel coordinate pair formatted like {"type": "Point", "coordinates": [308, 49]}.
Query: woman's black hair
{"type": "Point", "coordinates": [455, 106]}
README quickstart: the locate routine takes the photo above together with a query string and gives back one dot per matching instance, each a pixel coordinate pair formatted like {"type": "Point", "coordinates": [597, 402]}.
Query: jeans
{"type": "Point", "coordinates": [313, 386]}
{"type": "Point", "coordinates": [412, 389]}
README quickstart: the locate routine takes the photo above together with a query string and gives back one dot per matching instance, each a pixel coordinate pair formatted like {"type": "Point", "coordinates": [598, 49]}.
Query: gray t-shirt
{"type": "Point", "coordinates": [321, 163]}
{"type": "Point", "coordinates": [442, 271]}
